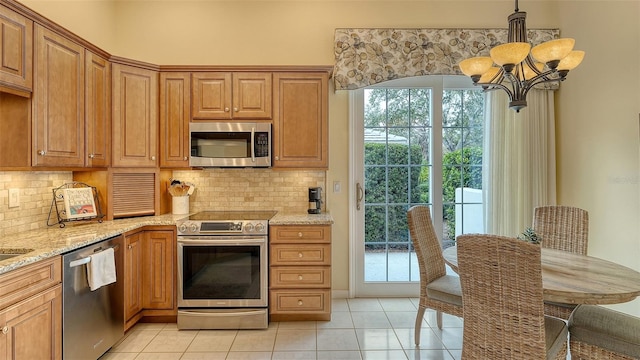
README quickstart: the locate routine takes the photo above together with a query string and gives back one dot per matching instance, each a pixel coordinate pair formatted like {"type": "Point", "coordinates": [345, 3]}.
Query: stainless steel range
{"type": "Point", "coordinates": [223, 270]}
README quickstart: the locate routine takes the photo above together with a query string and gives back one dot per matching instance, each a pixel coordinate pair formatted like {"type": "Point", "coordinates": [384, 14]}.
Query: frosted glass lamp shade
{"type": "Point", "coordinates": [552, 50]}
{"type": "Point", "coordinates": [476, 65]}
{"type": "Point", "coordinates": [529, 73]}
{"type": "Point", "coordinates": [571, 61]}
{"type": "Point", "coordinates": [510, 53]}
{"type": "Point", "coordinates": [489, 75]}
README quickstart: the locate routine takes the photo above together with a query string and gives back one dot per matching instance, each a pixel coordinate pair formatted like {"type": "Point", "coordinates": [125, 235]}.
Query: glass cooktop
{"type": "Point", "coordinates": [232, 215]}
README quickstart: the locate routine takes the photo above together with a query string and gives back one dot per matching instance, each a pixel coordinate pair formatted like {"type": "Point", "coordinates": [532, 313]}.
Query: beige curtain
{"type": "Point", "coordinates": [519, 161]}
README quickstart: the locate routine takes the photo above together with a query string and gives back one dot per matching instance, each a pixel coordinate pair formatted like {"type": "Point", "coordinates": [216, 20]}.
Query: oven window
{"type": "Point", "coordinates": [221, 272]}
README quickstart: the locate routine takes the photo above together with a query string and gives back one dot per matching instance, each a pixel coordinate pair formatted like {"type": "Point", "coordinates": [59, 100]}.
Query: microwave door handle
{"type": "Point", "coordinates": [253, 144]}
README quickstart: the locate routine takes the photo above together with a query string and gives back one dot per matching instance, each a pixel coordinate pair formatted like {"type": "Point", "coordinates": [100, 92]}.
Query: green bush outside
{"type": "Point", "coordinates": [396, 158]}
{"type": "Point", "coordinates": [461, 168]}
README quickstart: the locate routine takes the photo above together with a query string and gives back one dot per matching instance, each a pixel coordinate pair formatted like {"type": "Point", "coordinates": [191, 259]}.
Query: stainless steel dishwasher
{"type": "Point", "coordinates": [92, 321]}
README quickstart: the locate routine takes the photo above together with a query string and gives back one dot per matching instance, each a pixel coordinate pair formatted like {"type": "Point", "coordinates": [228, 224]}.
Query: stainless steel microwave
{"type": "Point", "coordinates": [230, 144]}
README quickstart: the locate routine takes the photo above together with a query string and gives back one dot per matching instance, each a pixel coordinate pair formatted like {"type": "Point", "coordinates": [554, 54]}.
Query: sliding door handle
{"type": "Point", "coordinates": [359, 195]}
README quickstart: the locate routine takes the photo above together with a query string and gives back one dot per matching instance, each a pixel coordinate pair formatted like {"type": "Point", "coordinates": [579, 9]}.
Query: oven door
{"type": "Point", "coordinates": [222, 271]}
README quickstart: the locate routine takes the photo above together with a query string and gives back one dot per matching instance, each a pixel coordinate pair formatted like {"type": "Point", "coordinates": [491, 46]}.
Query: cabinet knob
{"type": "Point", "coordinates": [129, 246]}
{"type": "Point", "coordinates": [299, 277]}
{"type": "Point", "coordinates": [91, 156]}
{"type": "Point", "coordinates": [41, 152]}
{"type": "Point", "coordinates": [300, 234]}
{"type": "Point", "coordinates": [299, 302]}
{"type": "Point", "coordinates": [186, 158]}
{"type": "Point", "coordinates": [235, 109]}
{"type": "Point", "coordinates": [153, 157]}
{"type": "Point", "coordinates": [300, 255]}
{"type": "Point", "coordinates": [5, 330]}
{"type": "Point", "coordinates": [226, 109]}
{"type": "Point", "coordinates": [277, 157]}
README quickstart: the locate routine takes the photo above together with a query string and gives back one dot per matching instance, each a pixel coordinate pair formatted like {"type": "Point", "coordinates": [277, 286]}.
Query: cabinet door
{"type": "Point", "coordinates": [58, 103]}
{"type": "Point", "coordinates": [175, 106]}
{"type": "Point", "coordinates": [135, 116]}
{"type": "Point", "coordinates": [252, 95]}
{"type": "Point", "coordinates": [211, 95]}
{"type": "Point", "coordinates": [16, 50]}
{"type": "Point", "coordinates": [133, 275]}
{"type": "Point", "coordinates": [98, 110]}
{"type": "Point", "coordinates": [158, 274]}
{"type": "Point", "coordinates": [300, 126]}
{"type": "Point", "coordinates": [32, 329]}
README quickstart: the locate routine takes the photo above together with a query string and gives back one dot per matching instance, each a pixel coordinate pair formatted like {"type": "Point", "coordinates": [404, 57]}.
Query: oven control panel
{"type": "Point", "coordinates": [244, 227]}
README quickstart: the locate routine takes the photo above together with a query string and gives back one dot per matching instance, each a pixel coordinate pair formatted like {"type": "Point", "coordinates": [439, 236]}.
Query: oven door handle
{"type": "Point", "coordinates": [224, 314]}
{"type": "Point", "coordinates": [216, 241]}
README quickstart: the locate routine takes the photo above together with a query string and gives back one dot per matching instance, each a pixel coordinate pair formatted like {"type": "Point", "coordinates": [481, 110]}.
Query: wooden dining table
{"type": "Point", "coordinates": [578, 279]}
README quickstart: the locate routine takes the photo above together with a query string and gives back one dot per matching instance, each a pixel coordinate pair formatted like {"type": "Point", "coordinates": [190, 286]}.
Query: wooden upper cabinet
{"type": "Point", "coordinates": [231, 95]}
{"type": "Point", "coordinates": [58, 103]}
{"type": "Point", "coordinates": [300, 125]}
{"type": "Point", "coordinates": [98, 110]}
{"type": "Point", "coordinates": [134, 116]}
{"type": "Point", "coordinates": [175, 106]}
{"type": "Point", "coordinates": [16, 51]}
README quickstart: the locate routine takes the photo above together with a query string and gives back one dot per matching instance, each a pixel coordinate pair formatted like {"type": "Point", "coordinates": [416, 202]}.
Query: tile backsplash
{"type": "Point", "coordinates": [35, 191]}
{"type": "Point", "coordinates": [285, 191]}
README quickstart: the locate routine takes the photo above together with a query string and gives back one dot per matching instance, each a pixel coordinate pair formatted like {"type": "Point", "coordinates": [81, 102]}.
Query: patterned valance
{"type": "Point", "coordinates": [370, 56]}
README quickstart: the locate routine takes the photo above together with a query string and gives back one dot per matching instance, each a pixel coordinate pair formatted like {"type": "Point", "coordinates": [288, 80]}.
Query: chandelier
{"type": "Point", "coordinates": [519, 66]}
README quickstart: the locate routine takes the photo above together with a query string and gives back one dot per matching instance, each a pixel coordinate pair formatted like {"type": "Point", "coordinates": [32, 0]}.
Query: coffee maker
{"type": "Point", "coordinates": [315, 200]}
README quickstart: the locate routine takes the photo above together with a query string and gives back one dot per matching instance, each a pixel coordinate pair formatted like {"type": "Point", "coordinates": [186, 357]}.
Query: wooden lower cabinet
{"type": "Point", "coordinates": [300, 272]}
{"type": "Point", "coordinates": [158, 278]}
{"type": "Point", "coordinates": [31, 311]}
{"type": "Point", "coordinates": [150, 279]}
{"type": "Point", "coordinates": [32, 329]}
{"type": "Point", "coordinates": [132, 275]}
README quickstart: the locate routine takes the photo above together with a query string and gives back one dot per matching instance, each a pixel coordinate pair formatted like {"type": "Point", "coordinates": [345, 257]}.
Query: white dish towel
{"type": "Point", "coordinates": [101, 270]}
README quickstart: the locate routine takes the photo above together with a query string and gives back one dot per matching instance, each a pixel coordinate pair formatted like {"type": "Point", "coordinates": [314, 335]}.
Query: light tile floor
{"type": "Point", "coordinates": [371, 329]}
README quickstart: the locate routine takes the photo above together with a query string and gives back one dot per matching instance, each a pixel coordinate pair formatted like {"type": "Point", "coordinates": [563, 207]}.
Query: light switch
{"type": "Point", "coordinates": [337, 187]}
{"type": "Point", "coordinates": [14, 198]}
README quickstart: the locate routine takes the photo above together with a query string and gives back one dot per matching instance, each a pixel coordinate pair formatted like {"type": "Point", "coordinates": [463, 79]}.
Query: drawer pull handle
{"type": "Point", "coordinates": [300, 255]}
{"type": "Point", "coordinates": [300, 234]}
{"type": "Point", "coordinates": [299, 302]}
{"type": "Point", "coordinates": [5, 330]}
{"type": "Point", "coordinates": [299, 277]}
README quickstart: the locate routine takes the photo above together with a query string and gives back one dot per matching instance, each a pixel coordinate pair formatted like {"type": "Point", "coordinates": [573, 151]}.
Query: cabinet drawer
{"type": "Point", "coordinates": [304, 254]}
{"type": "Point", "coordinates": [291, 301]}
{"type": "Point", "coordinates": [21, 283]}
{"type": "Point", "coordinates": [300, 233]}
{"type": "Point", "coordinates": [300, 277]}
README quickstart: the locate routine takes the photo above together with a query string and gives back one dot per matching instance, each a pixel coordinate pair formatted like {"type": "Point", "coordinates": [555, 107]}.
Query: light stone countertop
{"type": "Point", "coordinates": [301, 219]}
{"type": "Point", "coordinates": [54, 240]}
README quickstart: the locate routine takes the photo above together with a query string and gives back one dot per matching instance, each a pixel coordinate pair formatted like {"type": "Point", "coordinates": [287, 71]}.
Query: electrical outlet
{"type": "Point", "coordinates": [14, 198]}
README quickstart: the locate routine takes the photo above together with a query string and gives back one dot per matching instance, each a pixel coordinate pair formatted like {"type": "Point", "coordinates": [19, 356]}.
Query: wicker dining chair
{"type": "Point", "coordinates": [598, 333]}
{"type": "Point", "coordinates": [562, 228]}
{"type": "Point", "coordinates": [502, 298]}
{"type": "Point", "coordinates": [438, 291]}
